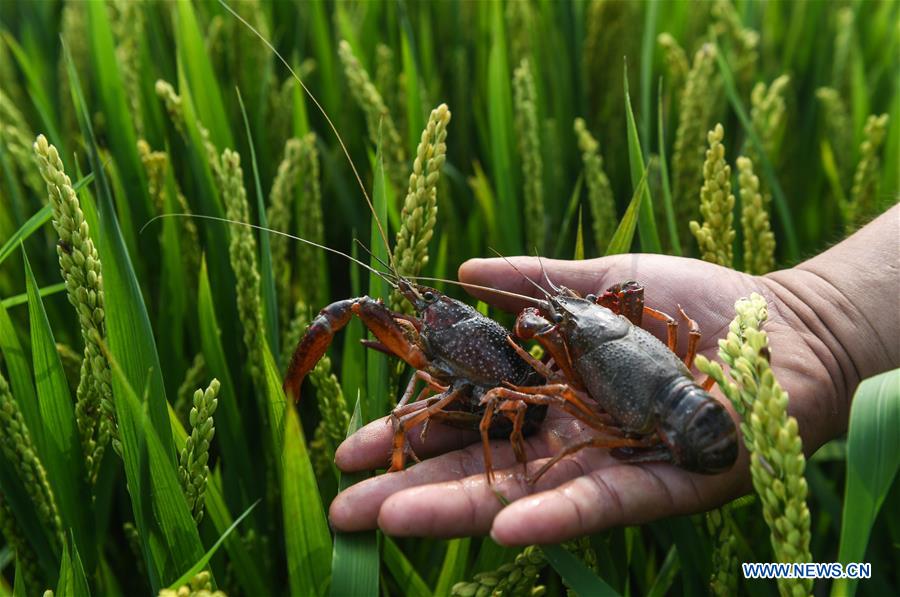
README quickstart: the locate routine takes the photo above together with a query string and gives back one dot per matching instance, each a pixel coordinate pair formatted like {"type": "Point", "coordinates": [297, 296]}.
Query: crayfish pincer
{"type": "Point", "coordinates": [461, 356]}
{"type": "Point", "coordinates": [653, 409]}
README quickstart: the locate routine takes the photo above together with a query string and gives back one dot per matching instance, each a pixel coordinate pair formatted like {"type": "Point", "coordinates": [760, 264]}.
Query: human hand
{"type": "Point", "coordinates": [448, 495]}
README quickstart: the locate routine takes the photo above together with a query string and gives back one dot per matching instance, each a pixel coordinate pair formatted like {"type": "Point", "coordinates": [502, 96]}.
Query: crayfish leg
{"type": "Point", "coordinates": [598, 441]}
{"type": "Point", "coordinates": [404, 422]}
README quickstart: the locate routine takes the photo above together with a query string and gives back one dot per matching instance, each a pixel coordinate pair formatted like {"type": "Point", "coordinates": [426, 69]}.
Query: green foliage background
{"type": "Point", "coordinates": [161, 312]}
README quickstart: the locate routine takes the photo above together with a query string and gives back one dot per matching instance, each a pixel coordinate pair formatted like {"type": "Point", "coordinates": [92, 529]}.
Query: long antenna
{"type": "Point", "coordinates": [521, 297]}
{"type": "Point", "coordinates": [521, 273]}
{"type": "Point", "coordinates": [331, 124]}
{"type": "Point", "coordinates": [382, 275]}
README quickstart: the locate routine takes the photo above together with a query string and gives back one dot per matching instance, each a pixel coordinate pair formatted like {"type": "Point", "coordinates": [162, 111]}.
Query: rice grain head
{"type": "Point", "coordinates": [716, 235]}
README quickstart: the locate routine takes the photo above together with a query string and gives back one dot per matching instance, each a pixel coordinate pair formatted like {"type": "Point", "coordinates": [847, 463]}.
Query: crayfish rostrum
{"type": "Point", "coordinates": [649, 409]}
{"type": "Point", "coordinates": [462, 356]}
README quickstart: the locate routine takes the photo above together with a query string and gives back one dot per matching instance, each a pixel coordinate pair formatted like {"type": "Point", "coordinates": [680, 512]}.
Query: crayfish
{"type": "Point", "coordinates": [462, 356]}
{"type": "Point", "coordinates": [649, 409]}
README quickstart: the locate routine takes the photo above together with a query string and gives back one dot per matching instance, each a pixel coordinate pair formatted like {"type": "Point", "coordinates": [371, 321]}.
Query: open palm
{"type": "Point", "coordinates": [447, 494]}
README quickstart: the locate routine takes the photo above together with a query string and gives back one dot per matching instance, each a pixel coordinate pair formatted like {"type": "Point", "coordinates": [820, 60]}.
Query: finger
{"type": "Point", "coordinates": [612, 496]}
{"type": "Point", "coordinates": [357, 507]}
{"type": "Point", "coordinates": [370, 447]}
{"type": "Point", "coordinates": [466, 506]}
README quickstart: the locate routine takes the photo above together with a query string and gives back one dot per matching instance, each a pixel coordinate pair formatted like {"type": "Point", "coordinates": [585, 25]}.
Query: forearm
{"type": "Point", "coordinates": [848, 297]}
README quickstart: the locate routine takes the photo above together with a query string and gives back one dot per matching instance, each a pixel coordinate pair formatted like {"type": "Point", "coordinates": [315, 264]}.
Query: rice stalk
{"type": "Point", "coordinates": [675, 58]}
{"type": "Point", "coordinates": [864, 194]}
{"type": "Point", "coordinates": [79, 264]}
{"type": "Point", "coordinates": [419, 213]}
{"type": "Point", "coordinates": [16, 138]}
{"type": "Point", "coordinates": [193, 377]}
{"type": "Point", "coordinates": [242, 252]}
{"type": "Point", "coordinates": [127, 21]}
{"type": "Point", "coordinates": [382, 129]}
{"type": "Point", "coordinates": [716, 235]}
{"type": "Point", "coordinates": [698, 97]}
{"type": "Point", "coordinates": [838, 129]}
{"type": "Point", "coordinates": [73, 31]}
{"type": "Point", "coordinates": [742, 42]}
{"type": "Point", "coordinates": [278, 216]}
{"type": "Point", "coordinates": [156, 164]}
{"type": "Point", "coordinates": [724, 579]}
{"type": "Point", "coordinates": [332, 428]}
{"type": "Point", "coordinates": [600, 195]}
{"type": "Point", "coordinates": [19, 451]}
{"type": "Point", "coordinates": [24, 555]}
{"type": "Point", "coordinates": [519, 19]}
{"type": "Point", "coordinates": [172, 101]}
{"type": "Point", "coordinates": [525, 99]}
{"type": "Point", "coordinates": [310, 222]}
{"type": "Point", "coordinates": [387, 81]}
{"type": "Point", "coordinates": [193, 467]}
{"type": "Point", "coordinates": [518, 577]}
{"type": "Point", "coordinates": [759, 240]}
{"type": "Point", "coordinates": [777, 462]}
{"type": "Point", "coordinates": [768, 113]}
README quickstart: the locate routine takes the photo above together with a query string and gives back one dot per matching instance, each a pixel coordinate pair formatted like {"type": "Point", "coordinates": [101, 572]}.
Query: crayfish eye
{"type": "Point", "coordinates": [557, 318]}
{"type": "Point", "coordinates": [428, 296]}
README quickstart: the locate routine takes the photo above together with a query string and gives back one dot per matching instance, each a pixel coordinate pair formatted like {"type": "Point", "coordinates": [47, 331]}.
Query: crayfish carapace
{"type": "Point", "coordinates": [649, 409]}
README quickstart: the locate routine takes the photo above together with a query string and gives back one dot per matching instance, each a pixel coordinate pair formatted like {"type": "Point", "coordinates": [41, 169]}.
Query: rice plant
{"type": "Point", "coordinates": [146, 445]}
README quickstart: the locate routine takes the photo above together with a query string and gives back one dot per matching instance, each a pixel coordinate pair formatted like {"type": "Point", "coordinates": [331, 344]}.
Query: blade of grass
{"type": "Point", "coordinates": [571, 211]}
{"type": "Point", "coordinates": [579, 240]}
{"type": "Point", "coordinates": [21, 299]}
{"type": "Point", "coordinates": [500, 126]}
{"type": "Point", "coordinates": [355, 559]}
{"type": "Point", "coordinates": [376, 363]}
{"type": "Point", "coordinates": [624, 234]}
{"type": "Point", "coordinates": [229, 423]}
{"type": "Point", "coordinates": [579, 577]}
{"type": "Point", "coordinates": [269, 300]}
{"type": "Point", "coordinates": [403, 572]}
{"type": "Point", "coordinates": [18, 366]}
{"type": "Point", "coordinates": [646, 224]}
{"type": "Point", "coordinates": [873, 457]}
{"type": "Point", "coordinates": [453, 570]}
{"type": "Point", "coordinates": [648, 42]}
{"type": "Point", "coordinates": [415, 119]}
{"type": "Point", "coordinates": [784, 212]}
{"type": "Point", "coordinates": [671, 225]}
{"type": "Point", "coordinates": [198, 72]}
{"type": "Point", "coordinates": [306, 536]}
{"type": "Point", "coordinates": [202, 562]}
{"type": "Point", "coordinates": [61, 455]}
{"type": "Point", "coordinates": [666, 575]}
{"type": "Point", "coordinates": [166, 527]}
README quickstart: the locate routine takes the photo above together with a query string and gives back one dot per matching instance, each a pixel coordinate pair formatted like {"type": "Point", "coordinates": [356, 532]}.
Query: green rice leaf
{"type": "Point", "coordinates": [21, 299]}
{"type": "Point", "coordinates": [18, 365]}
{"type": "Point", "coordinates": [37, 92]}
{"type": "Point", "coordinates": [666, 575]}
{"type": "Point", "coordinates": [579, 577]}
{"type": "Point", "coordinates": [270, 301]}
{"type": "Point", "coordinates": [202, 562]}
{"type": "Point", "coordinates": [164, 522]}
{"type": "Point", "coordinates": [403, 571]}
{"type": "Point", "coordinates": [624, 234]}
{"type": "Point", "coordinates": [784, 211]}
{"type": "Point", "coordinates": [671, 224]}
{"type": "Point", "coordinates": [648, 43]}
{"type": "Point", "coordinates": [873, 457]}
{"type": "Point", "coordinates": [306, 536]}
{"type": "Point", "coordinates": [61, 450]}
{"type": "Point", "coordinates": [354, 561]}
{"type": "Point", "coordinates": [500, 127]}
{"type": "Point", "coordinates": [376, 363]}
{"type": "Point", "coordinates": [72, 580]}
{"type": "Point", "coordinates": [198, 72]}
{"type": "Point", "coordinates": [19, 582]}
{"type": "Point", "coordinates": [646, 224]}
{"type": "Point", "coordinates": [229, 420]}
{"type": "Point", "coordinates": [573, 208]}
{"type": "Point", "coordinates": [579, 240]}
{"type": "Point", "coordinates": [415, 118]}
{"type": "Point", "coordinates": [453, 570]}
